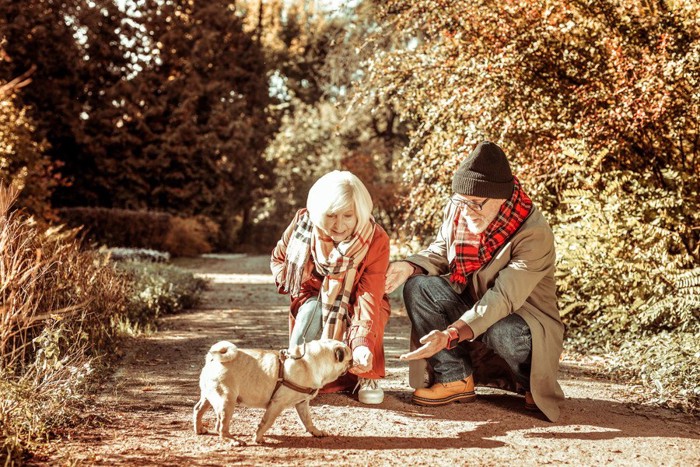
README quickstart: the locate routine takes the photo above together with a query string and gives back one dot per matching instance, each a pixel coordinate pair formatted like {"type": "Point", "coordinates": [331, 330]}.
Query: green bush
{"type": "Point", "coordinates": [629, 284]}
{"type": "Point", "coordinates": [158, 289]}
{"type": "Point", "coordinates": [119, 227]}
{"type": "Point", "coordinates": [623, 247]}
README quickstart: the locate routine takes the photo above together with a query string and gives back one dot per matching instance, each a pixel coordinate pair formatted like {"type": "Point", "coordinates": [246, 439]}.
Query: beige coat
{"type": "Point", "coordinates": [518, 279]}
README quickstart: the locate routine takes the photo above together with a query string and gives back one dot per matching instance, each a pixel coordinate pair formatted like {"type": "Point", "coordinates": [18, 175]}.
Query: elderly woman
{"type": "Point", "coordinates": [332, 260]}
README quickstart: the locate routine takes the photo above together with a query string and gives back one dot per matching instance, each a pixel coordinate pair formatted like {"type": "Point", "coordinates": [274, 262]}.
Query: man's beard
{"type": "Point", "coordinates": [479, 225]}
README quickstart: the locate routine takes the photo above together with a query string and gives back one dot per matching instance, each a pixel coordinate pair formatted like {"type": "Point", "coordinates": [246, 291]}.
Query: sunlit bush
{"type": "Point", "coordinates": [158, 289]}
{"type": "Point", "coordinates": [190, 236]}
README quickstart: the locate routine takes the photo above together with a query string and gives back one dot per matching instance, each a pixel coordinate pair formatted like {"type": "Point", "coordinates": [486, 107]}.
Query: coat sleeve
{"type": "Point", "coordinates": [434, 258]}
{"type": "Point", "coordinates": [371, 306]}
{"type": "Point", "coordinates": [279, 254]}
{"type": "Point", "coordinates": [532, 258]}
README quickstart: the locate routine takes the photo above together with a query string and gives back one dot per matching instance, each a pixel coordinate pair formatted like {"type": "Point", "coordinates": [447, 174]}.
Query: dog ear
{"type": "Point", "coordinates": [339, 354]}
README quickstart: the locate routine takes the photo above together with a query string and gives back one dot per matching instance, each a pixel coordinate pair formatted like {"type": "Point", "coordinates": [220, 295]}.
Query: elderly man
{"type": "Point", "coordinates": [482, 296]}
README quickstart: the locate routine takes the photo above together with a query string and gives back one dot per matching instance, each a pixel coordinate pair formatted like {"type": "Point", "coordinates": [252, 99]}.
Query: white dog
{"type": "Point", "coordinates": [267, 379]}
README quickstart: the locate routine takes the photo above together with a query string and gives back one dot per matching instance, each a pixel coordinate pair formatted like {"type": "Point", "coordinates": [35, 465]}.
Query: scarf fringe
{"type": "Point", "coordinates": [337, 263]}
{"type": "Point", "coordinates": [292, 278]}
{"type": "Point", "coordinates": [458, 278]}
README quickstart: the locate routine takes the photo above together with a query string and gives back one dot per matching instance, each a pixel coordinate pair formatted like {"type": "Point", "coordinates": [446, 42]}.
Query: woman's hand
{"type": "Point", "coordinates": [397, 273]}
{"type": "Point", "coordinates": [433, 342]}
{"type": "Point", "coordinates": [361, 360]}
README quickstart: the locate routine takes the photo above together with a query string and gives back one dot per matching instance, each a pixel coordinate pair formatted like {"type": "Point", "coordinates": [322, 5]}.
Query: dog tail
{"type": "Point", "coordinates": [223, 351]}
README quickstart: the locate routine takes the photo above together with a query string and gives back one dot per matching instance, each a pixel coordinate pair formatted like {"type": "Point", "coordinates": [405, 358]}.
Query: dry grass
{"type": "Point", "coordinates": [56, 308]}
{"type": "Point", "coordinates": [45, 280]}
{"type": "Point", "coordinates": [60, 311]}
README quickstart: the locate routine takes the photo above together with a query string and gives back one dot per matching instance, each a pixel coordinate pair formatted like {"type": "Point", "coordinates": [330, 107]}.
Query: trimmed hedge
{"type": "Point", "coordinates": [160, 231]}
{"type": "Point", "coordinates": [119, 227]}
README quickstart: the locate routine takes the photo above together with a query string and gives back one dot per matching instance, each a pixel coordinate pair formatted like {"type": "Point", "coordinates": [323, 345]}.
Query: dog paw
{"type": "Point", "coordinates": [319, 433]}
{"type": "Point", "coordinates": [200, 428]}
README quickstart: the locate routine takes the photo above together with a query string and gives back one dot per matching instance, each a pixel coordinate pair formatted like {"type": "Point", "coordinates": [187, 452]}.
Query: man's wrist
{"type": "Point", "coordinates": [452, 338]}
{"type": "Point", "coordinates": [463, 329]}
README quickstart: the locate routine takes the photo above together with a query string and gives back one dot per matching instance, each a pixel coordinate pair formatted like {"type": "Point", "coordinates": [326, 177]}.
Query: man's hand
{"type": "Point", "coordinates": [361, 360]}
{"type": "Point", "coordinates": [433, 342]}
{"type": "Point", "coordinates": [396, 274]}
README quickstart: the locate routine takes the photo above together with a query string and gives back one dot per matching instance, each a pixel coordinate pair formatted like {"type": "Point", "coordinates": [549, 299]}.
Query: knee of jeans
{"type": "Point", "coordinates": [413, 287]}
{"type": "Point", "coordinates": [507, 341]}
{"type": "Point", "coordinates": [306, 310]}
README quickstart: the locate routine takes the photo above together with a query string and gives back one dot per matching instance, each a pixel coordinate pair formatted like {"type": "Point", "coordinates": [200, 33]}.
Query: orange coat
{"type": "Point", "coordinates": [369, 305]}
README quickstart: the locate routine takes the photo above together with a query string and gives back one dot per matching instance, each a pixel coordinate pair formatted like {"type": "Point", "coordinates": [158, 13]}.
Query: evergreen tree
{"type": "Point", "coordinates": [191, 126]}
{"type": "Point", "coordinates": [75, 48]}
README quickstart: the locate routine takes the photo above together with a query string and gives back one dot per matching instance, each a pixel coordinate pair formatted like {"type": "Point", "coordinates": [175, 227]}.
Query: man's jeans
{"type": "Point", "coordinates": [432, 304]}
{"type": "Point", "coordinates": [308, 323]}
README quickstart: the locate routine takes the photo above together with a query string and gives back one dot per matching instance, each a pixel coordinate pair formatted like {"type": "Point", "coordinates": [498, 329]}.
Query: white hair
{"type": "Point", "coordinates": [337, 191]}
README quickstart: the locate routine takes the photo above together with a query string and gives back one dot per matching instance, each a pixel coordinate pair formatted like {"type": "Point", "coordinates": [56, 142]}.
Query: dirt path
{"type": "Point", "coordinates": [146, 407]}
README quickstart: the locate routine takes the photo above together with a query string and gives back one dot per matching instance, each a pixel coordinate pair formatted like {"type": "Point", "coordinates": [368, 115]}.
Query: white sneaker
{"type": "Point", "coordinates": [370, 392]}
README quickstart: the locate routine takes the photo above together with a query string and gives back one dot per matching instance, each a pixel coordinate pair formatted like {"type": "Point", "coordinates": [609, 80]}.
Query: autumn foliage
{"type": "Point", "coordinates": [596, 104]}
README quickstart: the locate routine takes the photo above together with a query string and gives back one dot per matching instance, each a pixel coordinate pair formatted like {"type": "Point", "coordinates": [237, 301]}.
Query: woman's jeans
{"type": "Point", "coordinates": [431, 304]}
{"type": "Point", "coordinates": [308, 323]}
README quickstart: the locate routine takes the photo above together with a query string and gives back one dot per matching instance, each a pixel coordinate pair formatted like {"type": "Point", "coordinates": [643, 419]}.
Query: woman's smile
{"type": "Point", "coordinates": [340, 225]}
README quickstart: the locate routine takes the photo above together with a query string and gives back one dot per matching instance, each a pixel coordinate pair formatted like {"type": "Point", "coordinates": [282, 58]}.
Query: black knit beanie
{"type": "Point", "coordinates": [485, 173]}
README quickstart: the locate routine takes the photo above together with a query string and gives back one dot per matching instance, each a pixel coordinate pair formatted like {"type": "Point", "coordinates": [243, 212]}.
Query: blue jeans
{"type": "Point", "coordinates": [308, 323]}
{"type": "Point", "coordinates": [431, 303]}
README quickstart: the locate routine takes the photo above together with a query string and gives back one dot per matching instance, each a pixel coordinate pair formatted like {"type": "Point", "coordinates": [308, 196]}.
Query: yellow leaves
{"type": "Point", "coordinates": [575, 194]}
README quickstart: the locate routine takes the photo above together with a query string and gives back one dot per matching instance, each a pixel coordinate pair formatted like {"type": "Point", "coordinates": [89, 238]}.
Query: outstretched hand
{"type": "Point", "coordinates": [397, 273]}
{"type": "Point", "coordinates": [433, 342]}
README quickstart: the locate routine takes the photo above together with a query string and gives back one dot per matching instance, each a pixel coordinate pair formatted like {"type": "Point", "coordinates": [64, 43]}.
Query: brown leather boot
{"type": "Point", "coordinates": [530, 402]}
{"type": "Point", "coordinates": [444, 393]}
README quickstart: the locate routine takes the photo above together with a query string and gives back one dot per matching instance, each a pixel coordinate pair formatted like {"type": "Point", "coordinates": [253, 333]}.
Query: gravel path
{"type": "Point", "coordinates": [145, 408]}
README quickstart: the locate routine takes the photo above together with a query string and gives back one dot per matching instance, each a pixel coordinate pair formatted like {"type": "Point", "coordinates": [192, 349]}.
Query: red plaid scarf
{"type": "Point", "coordinates": [472, 251]}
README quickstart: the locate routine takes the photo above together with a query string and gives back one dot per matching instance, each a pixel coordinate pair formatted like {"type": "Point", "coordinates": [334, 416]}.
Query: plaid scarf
{"type": "Point", "coordinates": [338, 264]}
{"type": "Point", "coordinates": [472, 251]}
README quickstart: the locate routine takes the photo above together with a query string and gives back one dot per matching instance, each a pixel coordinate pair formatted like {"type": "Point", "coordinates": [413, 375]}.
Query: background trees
{"type": "Point", "coordinates": [322, 127]}
{"type": "Point", "coordinates": [75, 54]}
{"type": "Point", "coordinates": [191, 125]}
{"type": "Point", "coordinates": [163, 106]}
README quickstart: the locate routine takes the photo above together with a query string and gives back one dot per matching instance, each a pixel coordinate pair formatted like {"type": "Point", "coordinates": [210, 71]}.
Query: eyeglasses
{"type": "Point", "coordinates": [462, 203]}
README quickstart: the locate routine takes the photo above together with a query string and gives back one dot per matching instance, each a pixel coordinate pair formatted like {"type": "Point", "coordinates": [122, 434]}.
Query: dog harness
{"type": "Point", "coordinates": [282, 356]}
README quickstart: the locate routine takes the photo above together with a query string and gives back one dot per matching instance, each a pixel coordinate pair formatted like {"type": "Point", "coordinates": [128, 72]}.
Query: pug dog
{"type": "Point", "coordinates": [251, 377]}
